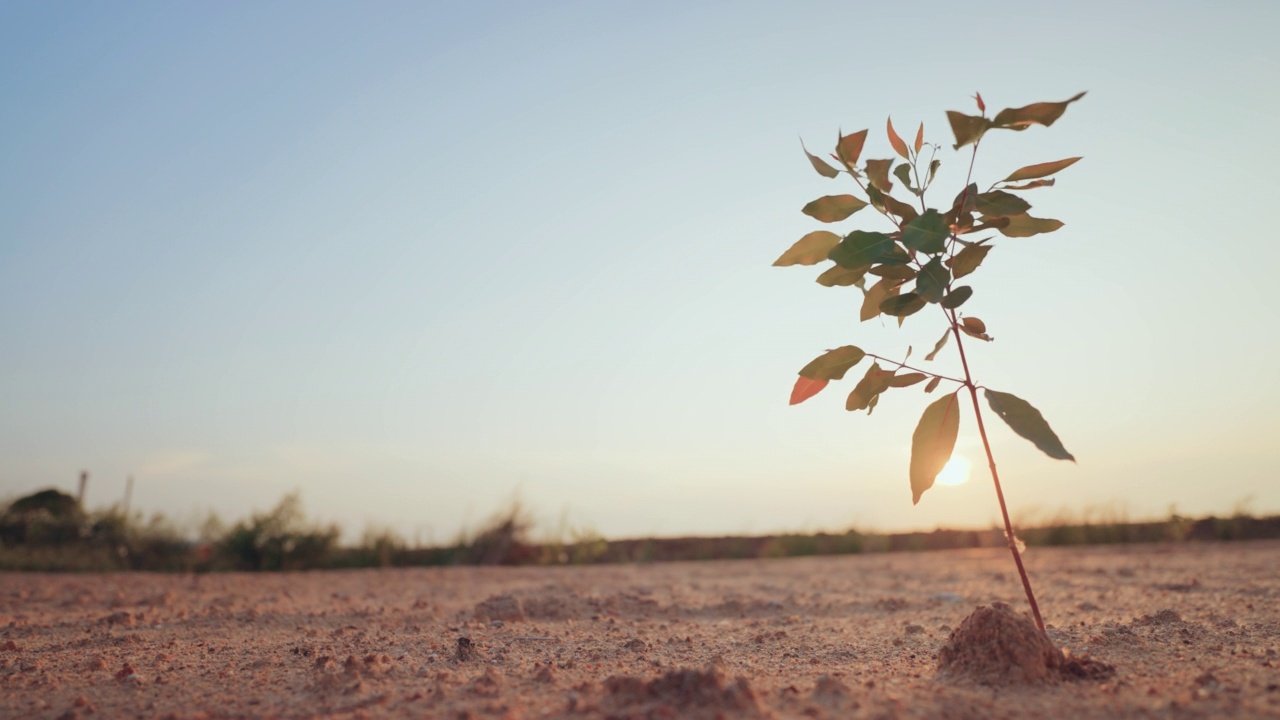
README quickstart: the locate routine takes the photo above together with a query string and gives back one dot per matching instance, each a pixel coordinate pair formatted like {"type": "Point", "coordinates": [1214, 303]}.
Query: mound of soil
{"type": "Point", "coordinates": [997, 646]}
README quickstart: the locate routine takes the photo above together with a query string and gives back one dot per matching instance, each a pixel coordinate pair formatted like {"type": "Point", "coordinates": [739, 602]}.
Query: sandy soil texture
{"type": "Point", "coordinates": [1193, 631]}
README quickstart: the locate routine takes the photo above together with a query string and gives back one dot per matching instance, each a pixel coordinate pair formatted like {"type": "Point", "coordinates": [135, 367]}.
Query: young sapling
{"type": "Point", "coordinates": [918, 264]}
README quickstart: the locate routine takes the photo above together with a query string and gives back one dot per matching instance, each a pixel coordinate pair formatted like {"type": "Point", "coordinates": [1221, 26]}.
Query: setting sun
{"type": "Point", "coordinates": [955, 472]}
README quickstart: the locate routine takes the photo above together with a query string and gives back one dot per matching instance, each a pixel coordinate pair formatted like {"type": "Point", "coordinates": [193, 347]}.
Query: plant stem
{"type": "Point", "coordinates": [916, 369]}
{"type": "Point", "coordinates": [995, 476]}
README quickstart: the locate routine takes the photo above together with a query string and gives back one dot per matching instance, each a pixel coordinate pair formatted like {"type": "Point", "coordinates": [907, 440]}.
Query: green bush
{"type": "Point", "coordinates": [42, 519]}
{"type": "Point", "coordinates": [280, 539]}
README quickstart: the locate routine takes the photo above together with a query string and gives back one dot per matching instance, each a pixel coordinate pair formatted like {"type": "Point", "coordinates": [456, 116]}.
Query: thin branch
{"type": "Point", "coordinates": [915, 172]}
{"type": "Point", "coordinates": [916, 369]}
{"type": "Point", "coordinates": [964, 194]}
{"type": "Point", "coordinates": [882, 211]}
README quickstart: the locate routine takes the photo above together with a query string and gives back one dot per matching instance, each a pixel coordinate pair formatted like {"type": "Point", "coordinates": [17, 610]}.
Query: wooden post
{"type": "Point", "coordinates": [128, 496]}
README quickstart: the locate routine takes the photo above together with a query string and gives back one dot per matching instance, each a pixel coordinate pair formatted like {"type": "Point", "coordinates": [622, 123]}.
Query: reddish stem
{"type": "Point", "coordinates": [995, 476]}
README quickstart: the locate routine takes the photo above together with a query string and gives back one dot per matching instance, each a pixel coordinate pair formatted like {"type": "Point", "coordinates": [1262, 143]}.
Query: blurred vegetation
{"type": "Point", "coordinates": [50, 531]}
{"type": "Point", "coordinates": [279, 539]}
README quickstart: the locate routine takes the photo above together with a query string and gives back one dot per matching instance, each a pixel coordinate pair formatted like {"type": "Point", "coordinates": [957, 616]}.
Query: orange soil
{"type": "Point", "coordinates": [1193, 631]}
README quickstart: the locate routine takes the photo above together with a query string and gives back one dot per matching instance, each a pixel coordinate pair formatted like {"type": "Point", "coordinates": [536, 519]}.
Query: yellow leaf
{"type": "Point", "coordinates": [906, 379]}
{"type": "Point", "coordinates": [869, 388]}
{"type": "Point", "coordinates": [1040, 170]}
{"type": "Point", "coordinates": [833, 208]}
{"type": "Point", "coordinates": [809, 250]}
{"type": "Point", "coordinates": [878, 293]}
{"type": "Point", "coordinates": [968, 259]}
{"type": "Point", "coordinates": [932, 442]}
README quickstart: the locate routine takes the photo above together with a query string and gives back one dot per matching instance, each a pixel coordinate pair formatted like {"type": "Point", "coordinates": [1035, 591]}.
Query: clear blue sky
{"type": "Point", "coordinates": [410, 258]}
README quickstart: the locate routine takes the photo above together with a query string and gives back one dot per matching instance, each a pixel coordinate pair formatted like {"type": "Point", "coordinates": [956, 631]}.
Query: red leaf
{"type": "Point", "coordinates": [899, 146]}
{"type": "Point", "coordinates": [849, 148]}
{"type": "Point", "coordinates": [982, 107]}
{"type": "Point", "coordinates": [920, 138]}
{"type": "Point", "coordinates": [805, 389]}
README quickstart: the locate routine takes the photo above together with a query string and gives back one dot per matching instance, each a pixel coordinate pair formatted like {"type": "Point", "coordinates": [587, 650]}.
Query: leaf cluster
{"type": "Point", "coordinates": [918, 262]}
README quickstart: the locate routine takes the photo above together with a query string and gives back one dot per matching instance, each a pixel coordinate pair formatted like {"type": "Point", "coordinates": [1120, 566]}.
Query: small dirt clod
{"type": "Point", "coordinates": [466, 650]}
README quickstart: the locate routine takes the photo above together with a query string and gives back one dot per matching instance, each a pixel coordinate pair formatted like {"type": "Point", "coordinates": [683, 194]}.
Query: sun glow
{"type": "Point", "coordinates": [955, 472]}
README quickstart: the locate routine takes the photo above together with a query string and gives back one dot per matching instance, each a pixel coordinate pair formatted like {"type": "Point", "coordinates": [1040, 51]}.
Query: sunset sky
{"type": "Point", "coordinates": [413, 259]}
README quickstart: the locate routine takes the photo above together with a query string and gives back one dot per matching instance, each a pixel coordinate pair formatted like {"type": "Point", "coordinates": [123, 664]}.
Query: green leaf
{"type": "Point", "coordinates": [805, 389]}
{"type": "Point", "coordinates": [875, 196]}
{"type": "Point", "coordinates": [933, 385]}
{"type": "Point", "coordinates": [999, 203]}
{"type": "Point", "coordinates": [849, 148]}
{"type": "Point", "coordinates": [897, 272]}
{"type": "Point", "coordinates": [897, 256]}
{"type": "Point", "coordinates": [931, 283]}
{"type": "Point", "coordinates": [967, 128]}
{"type": "Point", "coordinates": [957, 297]}
{"type": "Point", "coordinates": [903, 305]}
{"type": "Point", "coordinates": [878, 293]}
{"type": "Point", "coordinates": [927, 233]}
{"type": "Point", "coordinates": [861, 249]}
{"type": "Point", "coordinates": [894, 205]}
{"type": "Point", "coordinates": [896, 142]}
{"type": "Point", "coordinates": [878, 174]}
{"type": "Point", "coordinates": [1026, 226]}
{"type": "Point", "coordinates": [1041, 113]}
{"type": "Point", "coordinates": [833, 208]}
{"type": "Point", "coordinates": [809, 250]}
{"type": "Point", "coordinates": [937, 347]}
{"type": "Point", "coordinates": [965, 200]}
{"type": "Point", "coordinates": [833, 364]}
{"type": "Point", "coordinates": [907, 379]}
{"type": "Point", "coordinates": [842, 276]}
{"type": "Point", "coordinates": [1040, 170]}
{"type": "Point", "coordinates": [1027, 422]}
{"type": "Point", "coordinates": [933, 170]}
{"type": "Point", "coordinates": [903, 173]}
{"type": "Point", "coordinates": [872, 384]}
{"type": "Point", "coordinates": [960, 217]}
{"type": "Point", "coordinates": [819, 164]}
{"type": "Point", "coordinates": [932, 442]}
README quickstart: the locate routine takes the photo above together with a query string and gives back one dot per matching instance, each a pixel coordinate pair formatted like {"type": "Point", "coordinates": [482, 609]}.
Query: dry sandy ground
{"type": "Point", "coordinates": [1193, 632]}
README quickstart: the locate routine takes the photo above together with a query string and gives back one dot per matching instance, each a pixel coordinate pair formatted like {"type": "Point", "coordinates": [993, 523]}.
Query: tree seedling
{"type": "Point", "coordinates": [919, 264]}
